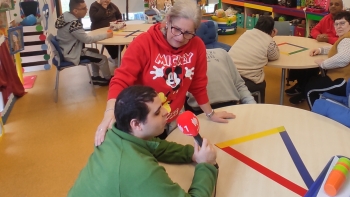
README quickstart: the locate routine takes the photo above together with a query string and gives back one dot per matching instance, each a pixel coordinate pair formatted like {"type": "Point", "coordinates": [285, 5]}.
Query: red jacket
{"type": "Point", "coordinates": [150, 60]}
{"type": "Point", "coordinates": [325, 26]}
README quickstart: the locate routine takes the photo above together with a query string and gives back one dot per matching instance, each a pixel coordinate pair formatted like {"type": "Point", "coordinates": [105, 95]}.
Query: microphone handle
{"type": "Point", "coordinates": [198, 139]}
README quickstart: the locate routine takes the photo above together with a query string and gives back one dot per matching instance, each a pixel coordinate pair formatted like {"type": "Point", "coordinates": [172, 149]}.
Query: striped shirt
{"type": "Point", "coordinates": [339, 60]}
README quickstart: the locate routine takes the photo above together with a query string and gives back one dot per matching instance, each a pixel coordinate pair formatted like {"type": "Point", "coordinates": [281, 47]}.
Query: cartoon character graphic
{"type": "Point", "coordinates": [15, 41]}
{"type": "Point", "coordinates": [46, 14]}
{"type": "Point", "coordinates": [172, 77]}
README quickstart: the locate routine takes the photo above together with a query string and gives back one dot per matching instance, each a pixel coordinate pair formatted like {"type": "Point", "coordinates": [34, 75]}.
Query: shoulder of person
{"type": "Point", "coordinates": [114, 5]}
{"type": "Point", "coordinates": [95, 4]}
{"type": "Point", "coordinates": [75, 25]}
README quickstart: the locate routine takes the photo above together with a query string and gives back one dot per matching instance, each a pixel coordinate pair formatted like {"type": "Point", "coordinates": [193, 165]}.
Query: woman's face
{"type": "Point", "coordinates": [341, 26]}
{"type": "Point", "coordinates": [179, 31]}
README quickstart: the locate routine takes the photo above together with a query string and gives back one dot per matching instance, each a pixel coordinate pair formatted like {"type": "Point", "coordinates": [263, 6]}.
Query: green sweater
{"type": "Point", "coordinates": [126, 166]}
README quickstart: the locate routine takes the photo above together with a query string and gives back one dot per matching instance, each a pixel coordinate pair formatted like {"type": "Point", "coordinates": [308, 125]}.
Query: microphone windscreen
{"type": "Point", "coordinates": [188, 123]}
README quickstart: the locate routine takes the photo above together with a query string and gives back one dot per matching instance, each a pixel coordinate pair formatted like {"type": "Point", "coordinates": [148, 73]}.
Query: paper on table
{"type": "Point", "coordinates": [344, 190]}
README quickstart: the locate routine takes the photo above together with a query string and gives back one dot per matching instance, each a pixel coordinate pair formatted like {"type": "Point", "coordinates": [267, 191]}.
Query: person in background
{"type": "Point", "coordinates": [170, 59]}
{"type": "Point", "coordinates": [337, 65]}
{"type": "Point", "coordinates": [101, 13]}
{"type": "Point", "coordinates": [126, 164]}
{"type": "Point", "coordinates": [324, 31]}
{"type": "Point", "coordinates": [71, 37]}
{"type": "Point", "coordinates": [252, 51]}
{"type": "Point", "coordinates": [225, 85]}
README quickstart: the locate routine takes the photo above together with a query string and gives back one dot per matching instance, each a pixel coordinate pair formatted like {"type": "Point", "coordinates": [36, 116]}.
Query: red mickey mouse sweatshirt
{"type": "Point", "coordinates": [150, 60]}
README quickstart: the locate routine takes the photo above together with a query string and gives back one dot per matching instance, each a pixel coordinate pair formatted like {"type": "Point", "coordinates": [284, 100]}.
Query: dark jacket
{"type": "Point", "coordinates": [100, 17]}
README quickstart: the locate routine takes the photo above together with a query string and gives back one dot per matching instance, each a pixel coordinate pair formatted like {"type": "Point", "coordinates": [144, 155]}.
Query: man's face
{"type": "Point", "coordinates": [335, 6]}
{"type": "Point", "coordinates": [81, 10]}
{"type": "Point", "coordinates": [156, 119]}
{"type": "Point", "coordinates": [341, 26]}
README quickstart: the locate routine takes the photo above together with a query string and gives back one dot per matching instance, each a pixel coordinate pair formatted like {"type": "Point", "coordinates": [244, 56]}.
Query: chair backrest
{"type": "Point", "coordinates": [283, 28]}
{"type": "Point", "coordinates": [52, 39]}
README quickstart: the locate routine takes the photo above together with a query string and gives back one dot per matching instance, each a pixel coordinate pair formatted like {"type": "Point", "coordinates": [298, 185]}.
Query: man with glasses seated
{"type": "Point", "coordinates": [170, 59]}
{"type": "Point", "coordinates": [71, 37]}
{"type": "Point", "coordinates": [337, 65]}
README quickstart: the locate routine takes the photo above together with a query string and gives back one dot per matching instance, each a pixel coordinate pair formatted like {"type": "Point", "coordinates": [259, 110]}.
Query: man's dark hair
{"type": "Point", "coordinates": [341, 15]}
{"type": "Point", "coordinates": [131, 104]}
{"type": "Point", "coordinates": [265, 24]}
{"type": "Point", "coordinates": [73, 4]}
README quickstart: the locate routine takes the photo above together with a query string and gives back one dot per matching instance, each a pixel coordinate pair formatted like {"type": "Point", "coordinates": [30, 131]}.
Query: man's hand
{"type": "Point", "coordinates": [314, 52]}
{"type": "Point", "coordinates": [322, 38]}
{"type": "Point", "coordinates": [204, 154]}
{"type": "Point", "coordinates": [109, 34]}
{"type": "Point", "coordinates": [222, 116]}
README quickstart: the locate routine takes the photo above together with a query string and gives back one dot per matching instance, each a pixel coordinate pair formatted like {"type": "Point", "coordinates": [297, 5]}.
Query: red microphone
{"type": "Point", "coordinates": [189, 125]}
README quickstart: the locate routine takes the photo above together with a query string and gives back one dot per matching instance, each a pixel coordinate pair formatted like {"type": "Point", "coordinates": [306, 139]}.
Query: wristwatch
{"type": "Point", "coordinates": [210, 114]}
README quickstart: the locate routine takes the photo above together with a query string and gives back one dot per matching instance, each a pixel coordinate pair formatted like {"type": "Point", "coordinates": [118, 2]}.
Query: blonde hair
{"type": "Point", "coordinates": [185, 9]}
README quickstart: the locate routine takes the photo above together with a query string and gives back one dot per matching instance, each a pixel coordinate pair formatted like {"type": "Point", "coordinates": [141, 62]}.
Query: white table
{"type": "Point", "coordinates": [299, 60]}
{"type": "Point", "coordinates": [315, 138]}
{"type": "Point", "coordinates": [122, 37]}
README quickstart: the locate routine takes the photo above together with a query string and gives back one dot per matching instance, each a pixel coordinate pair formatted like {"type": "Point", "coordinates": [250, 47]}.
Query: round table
{"type": "Point", "coordinates": [294, 54]}
{"type": "Point", "coordinates": [121, 37]}
{"type": "Point", "coordinates": [266, 139]}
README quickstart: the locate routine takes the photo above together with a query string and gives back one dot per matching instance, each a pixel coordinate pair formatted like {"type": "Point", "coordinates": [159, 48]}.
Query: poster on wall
{"type": "Point", "coordinates": [15, 38]}
{"type": "Point", "coordinates": [6, 5]}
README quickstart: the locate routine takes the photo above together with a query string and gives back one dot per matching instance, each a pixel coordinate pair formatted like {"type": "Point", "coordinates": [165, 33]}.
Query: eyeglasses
{"type": "Point", "coordinates": [341, 23]}
{"type": "Point", "coordinates": [176, 32]}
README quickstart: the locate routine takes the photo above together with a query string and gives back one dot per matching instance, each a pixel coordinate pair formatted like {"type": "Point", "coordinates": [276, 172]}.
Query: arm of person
{"type": "Point", "coordinates": [316, 30]}
{"type": "Point", "coordinates": [324, 50]}
{"type": "Point", "coordinates": [171, 152]}
{"type": "Point", "coordinates": [332, 39]}
{"type": "Point", "coordinates": [244, 94]}
{"type": "Point", "coordinates": [96, 14]}
{"type": "Point", "coordinates": [198, 87]}
{"type": "Point", "coordinates": [273, 52]}
{"type": "Point", "coordinates": [130, 68]}
{"type": "Point", "coordinates": [341, 59]}
{"type": "Point", "coordinates": [118, 14]}
{"type": "Point", "coordinates": [160, 184]}
{"type": "Point", "coordinates": [76, 29]}
{"type": "Point", "coordinates": [125, 76]}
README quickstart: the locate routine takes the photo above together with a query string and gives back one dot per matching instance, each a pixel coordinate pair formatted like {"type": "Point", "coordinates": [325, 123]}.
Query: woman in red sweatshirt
{"type": "Point", "coordinates": [169, 58]}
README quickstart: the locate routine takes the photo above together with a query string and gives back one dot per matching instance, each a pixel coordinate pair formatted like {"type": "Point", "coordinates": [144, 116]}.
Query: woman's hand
{"type": "Point", "coordinates": [106, 123]}
{"type": "Point", "coordinates": [222, 116]}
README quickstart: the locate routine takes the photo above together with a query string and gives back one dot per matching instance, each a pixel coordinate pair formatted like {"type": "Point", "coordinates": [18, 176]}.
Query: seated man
{"type": "Point", "coordinates": [337, 65]}
{"type": "Point", "coordinates": [126, 164]}
{"type": "Point", "coordinates": [324, 31]}
{"type": "Point", "coordinates": [71, 37]}
{"type": "Point", "coordinates": [252, 51]}
{"type": "Point", "coordinates": [225, 85]}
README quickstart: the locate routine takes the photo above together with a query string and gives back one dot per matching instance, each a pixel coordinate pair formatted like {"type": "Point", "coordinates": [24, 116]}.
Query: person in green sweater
{"type": "Point", "coordinates": [126, 164]}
